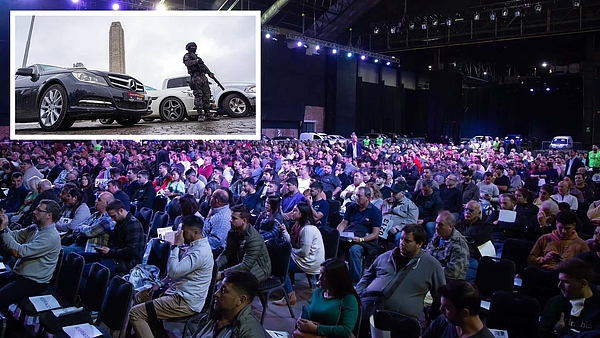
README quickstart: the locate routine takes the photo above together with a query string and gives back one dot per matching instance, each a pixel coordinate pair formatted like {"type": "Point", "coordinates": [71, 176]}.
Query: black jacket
{"type": "Point", "coordinates": [144, 196]}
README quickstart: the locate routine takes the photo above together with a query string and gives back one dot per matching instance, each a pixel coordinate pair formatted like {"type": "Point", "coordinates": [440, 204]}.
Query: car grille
{"type": "Point", "coordinates": [130, 105]}
{"type": "Point", "coordinates": [124, 82]}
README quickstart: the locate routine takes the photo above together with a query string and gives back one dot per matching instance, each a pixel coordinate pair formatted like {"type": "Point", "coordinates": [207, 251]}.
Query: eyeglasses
{"type": "Point", "coordinates": [471, 210]}
{"type": "Point", "coordinates": [40, 210]}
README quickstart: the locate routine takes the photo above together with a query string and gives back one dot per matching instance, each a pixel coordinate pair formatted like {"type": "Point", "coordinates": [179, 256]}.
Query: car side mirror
{"type": "Point", "coordinates": [25, 71]}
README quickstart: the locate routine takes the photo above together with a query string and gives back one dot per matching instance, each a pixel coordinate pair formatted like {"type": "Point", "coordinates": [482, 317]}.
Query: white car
{"type": "Point", "coordinates": [561, 142]}
{"type": "Point", "coordinates": [171, 105]}
{"type": "Point", "coordinates": [237, 100]}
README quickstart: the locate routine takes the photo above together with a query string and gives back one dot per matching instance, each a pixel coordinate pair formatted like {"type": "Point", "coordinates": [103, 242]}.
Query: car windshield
{"type": "Point", "coordinates": [559, 140]}
{"type": "Point", "coordinates": [49, 68]}
{"type": "Point", "coordinates": [149, 88]}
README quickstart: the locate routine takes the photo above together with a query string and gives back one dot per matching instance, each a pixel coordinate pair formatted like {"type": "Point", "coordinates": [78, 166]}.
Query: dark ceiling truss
{"type": "Point", "coordinates": [329, 17]}
{"type": "Point", "coordinates": [553, 19]}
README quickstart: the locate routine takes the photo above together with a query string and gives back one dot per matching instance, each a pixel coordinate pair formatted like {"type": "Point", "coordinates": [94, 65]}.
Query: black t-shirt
{"type": "Point", "coordinates": [504, 180]}
{"type": "Point", "coordinates": [441, 328]}
{"type": "Point", "coordinates": [323, 206]}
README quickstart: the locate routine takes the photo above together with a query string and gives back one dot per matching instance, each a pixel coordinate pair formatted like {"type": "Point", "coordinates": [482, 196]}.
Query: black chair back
{"type": "Point", "coordinates": [331, 241]}
{"type": "Point", "coordinates": [495, 274]}
{"type": "Point", "coordinates": [279, 252]}
{"type": "Point", "coordinates": [159, 220]}
{"type": "Point", "coordinates": [334, 217]}
{"type": "Point", "coordinates": [210, 296]}
{"type": "Point", "coordinates": [159, 255]}
{"type": "Point", "coordinates": [144, 215]}
{"type": "Point", "coordinates": [160, 203]}
{"type": "Point", "coordinates": [517, 250]}
{"type": "Point", "coordinates": [514, 313]}
{"type": "Point", "coordinates": [70, 277]}
{"type": "Point", "coordinates": [95, 288]}
{"type": "Point", "coordinates": [56, 273]}
{"type": "Point", "coordinates": [116, 304]}
{"type": "Point", "coordinates": [399, 325]}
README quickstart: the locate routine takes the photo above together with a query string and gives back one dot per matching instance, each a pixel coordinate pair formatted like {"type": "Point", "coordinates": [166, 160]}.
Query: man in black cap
{"type": "Point", "coordinates": [399, 211]}
{"type": "Point", "coordinates": [198, 83]}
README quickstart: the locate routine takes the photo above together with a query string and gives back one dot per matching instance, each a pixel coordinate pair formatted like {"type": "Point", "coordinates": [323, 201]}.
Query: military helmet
{"type": "Point", "coordinates": [191, 44]}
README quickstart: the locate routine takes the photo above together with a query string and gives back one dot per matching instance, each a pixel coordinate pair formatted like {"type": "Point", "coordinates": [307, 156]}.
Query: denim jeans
{"type": "Point", "coordinates": [472, 270]}
{"type": "Point", "coordinates": [499, 245]}
{"type": "Point", "coordinates": [355, 261]}
{"type": "Point", "coordinates": [430, 230]}
{"type": "Point", "coordinates": [293, 268]}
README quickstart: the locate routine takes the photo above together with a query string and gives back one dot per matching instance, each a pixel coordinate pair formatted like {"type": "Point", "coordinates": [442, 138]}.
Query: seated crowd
{"type": "Point", "coordinates": [414, 223]}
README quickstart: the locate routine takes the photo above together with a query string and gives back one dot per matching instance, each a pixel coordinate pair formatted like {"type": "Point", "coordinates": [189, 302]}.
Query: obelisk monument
{"type": "Point", "coordinates": [116, 48]}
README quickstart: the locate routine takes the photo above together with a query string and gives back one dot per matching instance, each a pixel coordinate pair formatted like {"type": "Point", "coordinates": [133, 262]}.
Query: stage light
{"type": "Point", "coordinates": [411, 25]}
{"type": "Point", "coordinates": [517, 13]}
{"type": "Point", "coordinates": [161, 7]}
{"type": "Point", "coordinates": [362, 57]}
{"type": "Point", "coordinates": [544, 64]}
{"type": "Point", "coordinates": [484, 73]}
{"type": "Point", "coordinates": [317, 47]}
{"type": "Point", "coordinates": [393, 30]}
{"type": "Point", "coordinates": [429, 67]}
{"type": "Point", "coordinates": [448, 22]}
{"type": "Point", "coordinates": [74, 1]}
{"type": "Point", "coordinates": [388, 63]}
{"type": "Point", "coordinates": [476, 16]}
{"type": "Point", "coordinates": [492, 16]}
{"type": "Point", "coordinates": [349, 55]}
{"type": "Point", "coordinates": [115, 7]}
{"type": "Point", "coordinates": [299, 44]}
{"type": "Point", "coordinates": [547, 89]}
{"type": "Point", "coordinates": [334, 51]}
{"type": "Point", "coordinates": [424, 25]}
{"type": "Point", "coordinates": [376, 61]}
{"type": "Point", "coordinates": [268, 36]}
{"type": "Point", "coordinates": [576, 4]}
{"type": "Point", "coordinates": [538, 8]}
{"type": "Point", "coordinates": [531, 90]}
{"type": "Point", "coordinates": [434, 23]}
{"type": "Point", "coordinates": [376, 30]}
{"type": "Point", "coordinates": [505, 12]}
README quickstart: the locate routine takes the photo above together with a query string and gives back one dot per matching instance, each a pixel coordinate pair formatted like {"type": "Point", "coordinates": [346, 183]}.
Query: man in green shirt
{"type": "Point", "coordinates": [594, 159]}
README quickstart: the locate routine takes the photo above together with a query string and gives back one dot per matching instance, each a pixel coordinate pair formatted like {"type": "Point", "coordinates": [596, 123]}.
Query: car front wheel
{"type": "Point", "coordinates": [172, 110]}
{"type": "Point", "coordinates": [106, 121]}
{"type": "Point", "coordinates": [53, 113]}
{"type": "Point", "coordinates": [128, 121]}
{"type": "Point", "coordinates": [236, 105]}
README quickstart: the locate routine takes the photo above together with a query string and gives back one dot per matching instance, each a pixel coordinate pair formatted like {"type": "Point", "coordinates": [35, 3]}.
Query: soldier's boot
{"type": "Point", "coordinates": [201, 117]}
{"type": "Point", "coordinates": [210, 116]}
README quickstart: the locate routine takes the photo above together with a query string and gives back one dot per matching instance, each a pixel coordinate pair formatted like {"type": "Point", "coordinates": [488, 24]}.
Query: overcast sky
{"type": "Point", "coordinates": [154, 45]}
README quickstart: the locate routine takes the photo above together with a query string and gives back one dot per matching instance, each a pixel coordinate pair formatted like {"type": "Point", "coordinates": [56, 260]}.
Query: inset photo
{"type": "Point", "coordinates": [135, 75]}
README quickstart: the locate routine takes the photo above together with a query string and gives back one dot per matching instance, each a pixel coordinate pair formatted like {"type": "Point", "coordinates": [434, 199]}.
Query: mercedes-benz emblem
{"type": "Point", "coordinates": [132, 84]}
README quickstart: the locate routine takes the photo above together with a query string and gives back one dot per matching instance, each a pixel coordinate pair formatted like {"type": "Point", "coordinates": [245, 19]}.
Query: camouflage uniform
{"type": "Point", "coordinates": [453, 255]}
{"type": "Point", "coordinates": [198, 82]}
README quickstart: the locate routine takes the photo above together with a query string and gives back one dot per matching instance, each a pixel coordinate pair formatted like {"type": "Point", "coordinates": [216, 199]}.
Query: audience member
{"type": "Point", "coordinates": [449, 247]}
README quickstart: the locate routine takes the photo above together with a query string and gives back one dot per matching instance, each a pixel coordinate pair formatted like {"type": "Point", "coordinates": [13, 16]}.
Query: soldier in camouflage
{"type": "Point", "coordinates": [198, 83]}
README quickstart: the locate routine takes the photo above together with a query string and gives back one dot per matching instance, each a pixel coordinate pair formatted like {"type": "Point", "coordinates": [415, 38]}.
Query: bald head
{"type": "Point", "coordinates": [219, 198]}
{"type": "Point", "coordinates": [45, 185]}
{"type": "Point", "coordinates": [472, 211]}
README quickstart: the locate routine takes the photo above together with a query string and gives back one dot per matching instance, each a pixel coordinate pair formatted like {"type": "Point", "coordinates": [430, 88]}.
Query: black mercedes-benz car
{"type": "Point", "coordinates": [56, 97]}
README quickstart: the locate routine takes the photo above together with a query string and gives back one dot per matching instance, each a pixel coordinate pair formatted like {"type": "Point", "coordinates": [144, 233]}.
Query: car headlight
{"type": "Point", "coordinates": [89, 78]}
{"type": "Point", "coordinates": [250, 89]}
{"type": "Point", "coordinates": [188, 92]}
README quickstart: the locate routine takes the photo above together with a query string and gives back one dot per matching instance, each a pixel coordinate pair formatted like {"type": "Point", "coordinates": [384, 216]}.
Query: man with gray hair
{"type": "Point", "coordinates": [449, 247]}
{"type": "Point", "coordinates": [362, 221]}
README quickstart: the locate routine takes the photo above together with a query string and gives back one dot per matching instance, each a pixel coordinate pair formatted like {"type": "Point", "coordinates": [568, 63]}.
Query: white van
{"type": "Point", "coordinates": [561, 142]}
{"type": "Point", "coordinates": [313, 136]}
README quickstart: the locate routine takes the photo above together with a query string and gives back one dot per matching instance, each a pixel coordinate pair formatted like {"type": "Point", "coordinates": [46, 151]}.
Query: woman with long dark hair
{"type": "Point", "coordinates": [74, 210]}
{"type": "Point", "coordinates": [269, 221]}
{"type": "Point", "coordinates": [205, 199]}
{"type": "Point", "coordinates": [308, 251]}
{"type": "Point", "coordinates": [333, 309]}
{"type": "Point", "coordinates": [86, 184]}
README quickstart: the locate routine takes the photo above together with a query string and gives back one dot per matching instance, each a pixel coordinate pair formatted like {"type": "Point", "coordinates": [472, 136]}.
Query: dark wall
{"type": "Point", "coordinates": [380, 108]}
{"type": "Point", "coordinates": [346, 96]}
{"type": "Point", "coordinates": [291, 80]}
